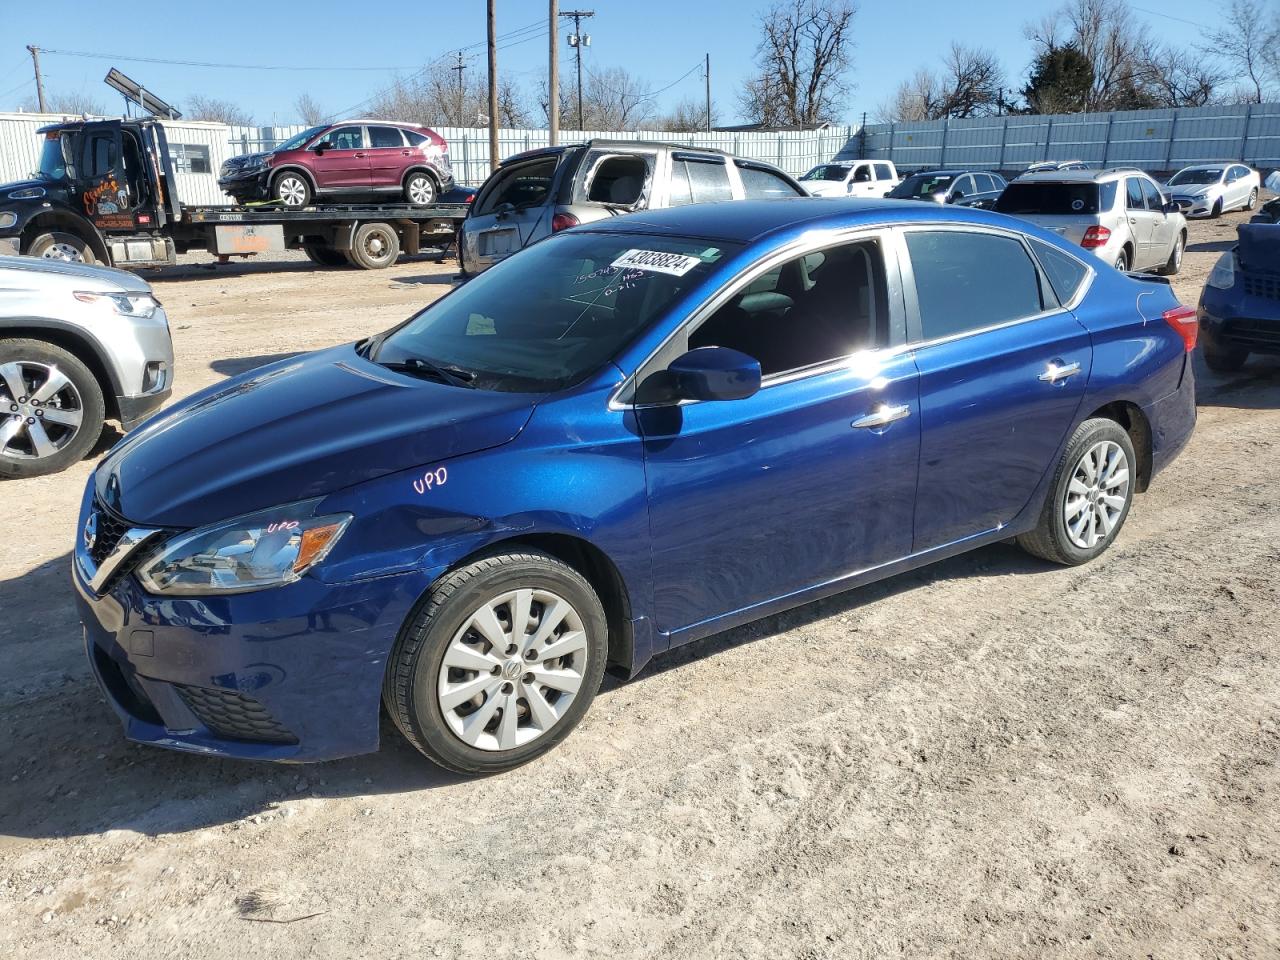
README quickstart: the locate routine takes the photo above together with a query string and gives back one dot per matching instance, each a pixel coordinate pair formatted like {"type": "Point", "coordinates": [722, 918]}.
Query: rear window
{"type": "Point", "coordinates": [1056, 198]}
{"type": "Point", "coordinates": [524, 185]}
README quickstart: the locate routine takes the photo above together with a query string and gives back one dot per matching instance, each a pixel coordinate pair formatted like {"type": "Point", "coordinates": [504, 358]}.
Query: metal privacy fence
{"type": "Point", "coordinates": [793, 151]}
{"type": "Point", "coordinates": [1155, 140]}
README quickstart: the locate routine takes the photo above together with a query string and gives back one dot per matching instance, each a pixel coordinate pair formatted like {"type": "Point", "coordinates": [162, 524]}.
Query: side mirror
{"type": "Point", "coordinates": [320, 147]}
{"type": "Point", "coordinates": [704, 373]}
{"type": "Point", "coordinates": [1172, 206]}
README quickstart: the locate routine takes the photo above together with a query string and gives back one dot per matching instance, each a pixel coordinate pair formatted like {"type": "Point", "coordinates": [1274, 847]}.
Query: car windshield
{"type": "Point", "coordinates": [1196, 176]}
{"type": "Point", "coordinates": [549, 316]}
{"type": "Point", "coordinates": [298, 139]}
{"type": "Point", "coordinates": [1050, 198]}
{"type": "Point", "coordinates": [827, 171]}
{"type": "Point", "coordinates": [56, 157]}
{"type": "Point", "coordinates": [920, 185]}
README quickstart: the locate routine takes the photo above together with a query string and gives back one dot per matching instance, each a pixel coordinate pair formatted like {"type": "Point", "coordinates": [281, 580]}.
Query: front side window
{"type": "Point", "coordinates": [524, 185]}
{"type": "Point", "coordinates": [920, 186]}
{"type": "Point", "coordinates": [385, 137]}
{"type": "Point", "coordinates": [618, 179]}
{"type": "Point", "coordinates": [1151, 193]}
{"type": "Point", "coordinates": [862, 173]}
{"type": "Point", "coordinates": [298, 139]}
{"type": "Point", "coordinates": [813, 309]}
{"type": "Point", "coordinates": [344, 138]}
{"type": "Point", "coordinates": [100, 154]}
{"type": "Point", "coordinates": [831, 172]}
{"type": "Point", "coordinates": [582, 298]}
{"type": "Point", "coordinates": [760, 184]}
{"type": "Point", "coordinates": [963, 187]}
{"type": "Point", "coordinates": [884, 171]}
{"type": "Point", "coordinates": [969, 281]}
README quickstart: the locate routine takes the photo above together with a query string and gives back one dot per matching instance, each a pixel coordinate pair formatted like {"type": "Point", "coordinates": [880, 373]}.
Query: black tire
{"type": "Point", "coordinates": [324, 255]}
{"type": "Point", "coordinates": [1174, 264]}
{"type": "Point", "coordinates": [57, 245]}
{"type": "Point", "coordinates": [1122, 261]}
{"type": "Point", "coordinates": [18, 455]}
{"type": "Point", "coordinates": [1050, 539]}
{"type": "Point", "coordinates": [422, 185]}
{"type": "Point", "coordinates": [1224, 359]}
{"type": "Point", "coordinates": [1216, 212]}
{"type": "Point", "coordinates": [413, 669]}
{"type": "Point", "coordinates": [291, 189]}
{"type": "Point", "coordinates": [374, 246]}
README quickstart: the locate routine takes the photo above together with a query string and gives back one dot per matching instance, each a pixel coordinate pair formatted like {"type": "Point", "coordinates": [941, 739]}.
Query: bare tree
{"type": "Point", "coordinates": [200, 107]}
{"type": "Point", "coordinates": [614, 99]}
{"type": "Point", "coordinates": [436, 97]}
{"type": "Point", "coordinates": [309, 112]}
{"type": "Point", "coordinates": [75, 103]}
{"type": "Point", "coordinates": [1119, 48]}
{"type": "Point", "coordinates": [1183, 78]}
{"type": "Point", "coordinates": [804, 55]}
{"type": "Point", "coordinates": [513, 111]}
{"type": "Point", "coordinates": [970, 85]}
{"type": "Point", "coordinates": [1247, 44]}
{"type": "Point", "coordinates": [688, 116]}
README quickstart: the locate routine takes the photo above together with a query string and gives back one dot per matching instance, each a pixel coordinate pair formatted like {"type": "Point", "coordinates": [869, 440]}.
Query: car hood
{"type": "Point", "coordinates": [51, 188]}
{"type": "Point", "coordinates": [1259, 247]}
{"type": "Point", "coordinates": [75, 276]}
{"type": "Point", "coordinates": [296, 429]}
{"type": "Point", "coordinates": [1193, 189]}
{"type": "Point", "coordinates": [825, 188]}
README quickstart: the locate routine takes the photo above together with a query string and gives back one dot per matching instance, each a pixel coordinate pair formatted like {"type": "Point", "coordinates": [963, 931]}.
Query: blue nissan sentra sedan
{"type": "Point", "coordinates": [619, 440]}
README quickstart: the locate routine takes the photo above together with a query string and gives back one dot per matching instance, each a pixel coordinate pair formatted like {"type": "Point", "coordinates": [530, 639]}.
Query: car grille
{"type": "Point", "coordinates": [232, 715]}
{"type": "Point", "coordinates": [1262, 285]}
{"type": "Point", "coordinates": [1256, 332]}
{"type": "Point", "coordinates": [110, 529]}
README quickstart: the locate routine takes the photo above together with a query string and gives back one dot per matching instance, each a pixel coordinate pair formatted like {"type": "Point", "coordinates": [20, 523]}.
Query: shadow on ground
{"type": "Point", "coordinates": [68, 771]}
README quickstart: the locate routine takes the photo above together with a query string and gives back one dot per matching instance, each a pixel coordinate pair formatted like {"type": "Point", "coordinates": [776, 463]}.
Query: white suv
{"type": "Point", "coordinates": [851, 178]}
{"type": "Point", "coordinates": [1119, 215]}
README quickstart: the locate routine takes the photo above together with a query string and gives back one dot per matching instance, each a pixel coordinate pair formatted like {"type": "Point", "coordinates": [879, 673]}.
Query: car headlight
{"type": "Point", "coordinates": [1223, 274]}
{"type": "Point", "coordinates": [255, 163]}
{"type": "Point", "coordinates": [262, 550]}
{"type": "Point", "coordinates": [142, 305]}
{"type": "Point", "coordinates": [27, 193]}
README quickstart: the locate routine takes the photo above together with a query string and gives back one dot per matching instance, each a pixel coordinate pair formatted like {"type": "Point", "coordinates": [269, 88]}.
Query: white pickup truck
{"type": "Point", "coordinates": [851, 178]}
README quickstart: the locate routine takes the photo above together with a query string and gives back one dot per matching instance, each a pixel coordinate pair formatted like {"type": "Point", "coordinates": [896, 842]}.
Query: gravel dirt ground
{"type": "Point", "coordinates": [991, 757]}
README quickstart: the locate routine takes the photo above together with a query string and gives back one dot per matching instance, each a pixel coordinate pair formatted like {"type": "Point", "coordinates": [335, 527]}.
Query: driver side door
{"type": "Point", "coordinates": [102, 185]}
{"type": "Point", "coordinates": [813, 477]}
{"type": "Point", "coordinates": [341, 160]}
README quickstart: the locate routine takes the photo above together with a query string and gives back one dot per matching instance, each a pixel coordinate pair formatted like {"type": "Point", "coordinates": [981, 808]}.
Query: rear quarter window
{"type": "Point", "coordinates": [1066, 274]}
{"type": "Point", "coordinates": [1065, 199]}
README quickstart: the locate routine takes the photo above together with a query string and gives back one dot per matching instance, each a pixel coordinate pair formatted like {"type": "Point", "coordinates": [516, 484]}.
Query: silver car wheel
{"type": "Point", "coordinates": [292, 191]}
{"type": "Point", "coordinates": [1178, 249]}
{"type": "Point", "coordinates": [421, 189]}
{"type": "Point", "coordinates": [41, 409]}
{"type": "Point", "coordinates": [59, 250]}
{"type": "Point", "coordinates": [1253, 199]}
{"type": "Point", "coordinates": [512, 671]}
{"type": "Point", "coordinates": [1097, 494]}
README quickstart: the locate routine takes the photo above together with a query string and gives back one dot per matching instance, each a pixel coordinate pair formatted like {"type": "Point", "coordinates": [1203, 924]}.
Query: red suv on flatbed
{"type": "Point", "coordinates": [356, 160]}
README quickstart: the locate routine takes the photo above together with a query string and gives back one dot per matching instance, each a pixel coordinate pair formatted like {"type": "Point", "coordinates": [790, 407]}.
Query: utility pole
{"type": "Point", "coordinates": [35, 59]}
{"type": "Point", "coordinates": [459, 67]}
{"type": "Point", "coordinates": [577, 40]}
{"type": "Point", "coordinates": [708, 93]}
{"type": "Point", "coordinates": [553, 76]}
{"type": "Point", "coordinates": [493, 88]}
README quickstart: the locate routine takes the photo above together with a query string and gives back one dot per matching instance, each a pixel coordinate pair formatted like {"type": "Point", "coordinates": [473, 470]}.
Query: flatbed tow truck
{"type": "Point", "coordinates": [105, 193]}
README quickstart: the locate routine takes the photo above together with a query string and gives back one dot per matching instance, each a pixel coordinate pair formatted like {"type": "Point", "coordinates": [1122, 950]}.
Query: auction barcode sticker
{"type": "Point", "coordinates": [657, 261]}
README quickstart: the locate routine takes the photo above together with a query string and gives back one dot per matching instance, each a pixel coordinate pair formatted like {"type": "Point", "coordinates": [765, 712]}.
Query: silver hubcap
{"type": "Point", "coordinates": [40, 410]}
{"type": "Point", "coordinates": [512, 671]}
{"type": "Point", "coordinates": [1177, 253]}
{"type": "Point", "coordinates": [376, 246]}
{"type": "Point", "coordinates": [1121, 264]}
{"type": "Point", "coordinates": [292, 191]}
{"type": "Point", "coordinates": [63, 251]}
{"type": "Point", "coordinates": [420, 190]}
{"type": "Point", "coordinates": [1253, 199]}
{"type": "Point", "coordinates": [1096, 495]}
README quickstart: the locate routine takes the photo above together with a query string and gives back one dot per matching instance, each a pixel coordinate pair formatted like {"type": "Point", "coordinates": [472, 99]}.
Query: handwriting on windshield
{"type": "Point", "coordinates": [431, 479]}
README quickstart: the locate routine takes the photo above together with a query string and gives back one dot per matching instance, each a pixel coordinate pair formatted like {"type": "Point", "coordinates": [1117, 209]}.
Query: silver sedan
{"type": "Point", "coordinates": [1211, 189]}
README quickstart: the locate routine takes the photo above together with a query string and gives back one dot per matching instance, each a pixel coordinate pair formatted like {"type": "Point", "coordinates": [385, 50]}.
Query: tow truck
{"type": "Point", "coordinates": [106, 193]}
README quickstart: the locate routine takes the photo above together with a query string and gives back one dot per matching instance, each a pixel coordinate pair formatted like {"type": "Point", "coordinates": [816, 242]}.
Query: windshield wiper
{"type": "Point", "coordinates": [417, 366]}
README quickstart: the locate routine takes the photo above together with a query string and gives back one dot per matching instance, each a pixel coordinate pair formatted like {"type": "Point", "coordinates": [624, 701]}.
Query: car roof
{"type": "Point", "coordinates": [1220, 165]}
{"type": "Point", "coordinates": [747, 221]}
{"type": "Point", "coordinates": [1078, 176]}
{"type": "Point", "coordinates": [627, 144]}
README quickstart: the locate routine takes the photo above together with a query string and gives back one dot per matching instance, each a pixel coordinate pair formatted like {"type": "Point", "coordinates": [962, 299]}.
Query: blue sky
{"type": "Point", "coordinates": [658, 40]}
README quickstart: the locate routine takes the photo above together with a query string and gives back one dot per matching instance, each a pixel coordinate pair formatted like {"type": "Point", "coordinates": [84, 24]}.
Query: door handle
{"type": "Point", "coordinates": [404, 153]}
{"type": "Point", "coordinates": [882, 417]}
{"type": "Point", "coordinates": [359, 155]}
{"type": "Point", "coordinates": [1056, 371]}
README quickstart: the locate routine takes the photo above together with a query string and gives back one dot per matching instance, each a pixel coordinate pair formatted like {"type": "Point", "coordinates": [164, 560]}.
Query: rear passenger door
{"type": "Point", "coordinates": [1003, 367]}
{"type": "Point", "coordinates": [389, 156]}
{"type": "Point", "coordinates": [1141, 222]}
{"type": "Point", "coordinates": [1164, 226]}
{"type": "Point", "coordinates": [698, 178]}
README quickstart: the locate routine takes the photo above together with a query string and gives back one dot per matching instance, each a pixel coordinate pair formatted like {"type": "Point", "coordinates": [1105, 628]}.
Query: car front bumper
{"type": "Point", "coordinates": [1196, 206]}
{"type": "Point", "coordinates": [288, 674]}
{"type": "Point", "coordinates": [246, 185]}
{"type": "Point", "coordinates": [1236, 319]}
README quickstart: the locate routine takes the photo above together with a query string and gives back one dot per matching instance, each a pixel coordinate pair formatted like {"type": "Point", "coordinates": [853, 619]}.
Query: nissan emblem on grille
{"type": "Point", "coordinates": [90, 532]}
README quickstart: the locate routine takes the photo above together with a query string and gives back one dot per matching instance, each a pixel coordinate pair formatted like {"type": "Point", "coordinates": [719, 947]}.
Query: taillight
{"type": "Point", "coordinates": [563, 221]}
{"type": "Point", "coordinates": [1183, 320]}
{"type": "Point", "coordinates": [1095, 237]}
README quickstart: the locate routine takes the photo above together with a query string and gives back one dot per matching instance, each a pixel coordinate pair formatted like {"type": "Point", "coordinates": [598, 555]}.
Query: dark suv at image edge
{"type": "Point", "coordinates": [351, 160]}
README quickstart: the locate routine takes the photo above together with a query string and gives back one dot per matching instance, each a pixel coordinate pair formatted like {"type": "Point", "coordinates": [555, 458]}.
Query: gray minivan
{"type": "Point", "coordinates": [540, 192]}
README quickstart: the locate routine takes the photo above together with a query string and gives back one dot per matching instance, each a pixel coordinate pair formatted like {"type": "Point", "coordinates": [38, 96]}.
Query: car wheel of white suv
{"type": "Point", "coordinates": [51, 408]}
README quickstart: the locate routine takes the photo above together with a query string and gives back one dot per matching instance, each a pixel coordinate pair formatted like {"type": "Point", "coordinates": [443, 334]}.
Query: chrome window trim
{"type": "Point", "coordinates": [809, 242]}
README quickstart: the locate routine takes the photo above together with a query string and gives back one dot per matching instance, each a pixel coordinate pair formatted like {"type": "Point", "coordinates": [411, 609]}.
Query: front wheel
{"type": "Point", "coordinates": [51, 408]}
{"type": "Point", "coordinates": [1092, 491]}
{"type": "Point", "coordinates": [420, 189]}
{"type": "Point", "coordinates": [292, 190]}
{"type": "Point", "coordinates": [61, 246]}
{"type": "Point", "coordinates": [1216, 212]}
{"type": "Point", "coordinates": [499, 663]}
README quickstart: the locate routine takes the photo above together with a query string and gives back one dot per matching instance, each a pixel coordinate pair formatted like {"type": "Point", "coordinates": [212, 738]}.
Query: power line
{"type": "Point", "coordinates": [205, 63]}
{"type": "Point", "coordinates": [652, 93]}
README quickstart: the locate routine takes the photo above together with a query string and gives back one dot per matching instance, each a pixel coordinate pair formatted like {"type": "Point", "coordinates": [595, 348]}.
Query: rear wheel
{"type": "Point", "coordinates": [61, 246]}
{"type": "Point", "coordinates": [51, 408]}
{"type": "Point", "coordinates": [1092, 491]}
{"type": "Point", "coordinates": [1175, 258]}
{"type": "Point", "coordinates": [291, 189]}
{"type": "Point", "coordinates": [1253, 199]}
{"type": "Point", "coordinates": [420, 189]}
{"type": "Point", "coordinates": [1122, 261]}
{"type": "Point", "coordinates": [499, 664]}
{"type": "Point", "coordinates": [324, 255]}
{"type": "Point", "coordinates": [374, 246]}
